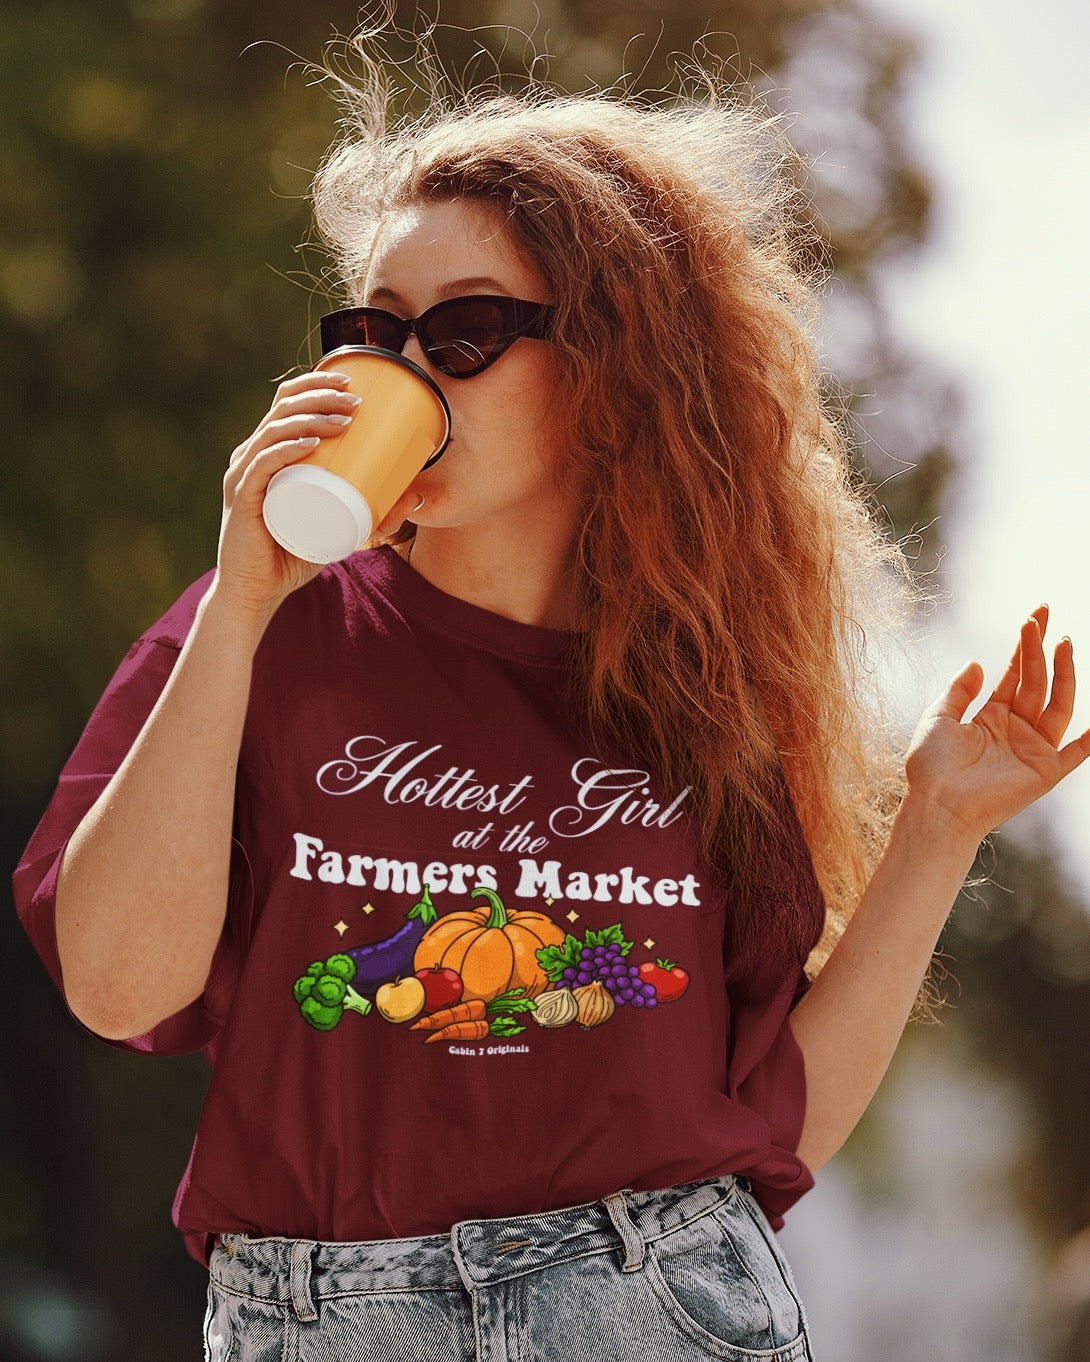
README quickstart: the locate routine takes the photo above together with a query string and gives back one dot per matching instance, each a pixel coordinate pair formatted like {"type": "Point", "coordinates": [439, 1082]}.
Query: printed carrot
{"type": "Point", "coordinates": [473, 1010]}
{"type": "Point", "coordinates": [466, 1030]}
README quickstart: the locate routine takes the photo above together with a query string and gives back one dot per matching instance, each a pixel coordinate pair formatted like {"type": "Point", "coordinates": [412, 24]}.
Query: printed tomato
{"type": "Point", "coordinates": [670, 980]}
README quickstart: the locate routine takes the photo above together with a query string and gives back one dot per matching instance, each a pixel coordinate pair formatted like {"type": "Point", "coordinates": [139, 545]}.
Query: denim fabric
{"type": "Point", "coordinates": [688, 1272]}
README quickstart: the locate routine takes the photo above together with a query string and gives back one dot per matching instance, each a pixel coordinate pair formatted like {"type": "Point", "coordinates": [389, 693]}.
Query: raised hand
{"type": "Point", "coordinates": [982, 772]}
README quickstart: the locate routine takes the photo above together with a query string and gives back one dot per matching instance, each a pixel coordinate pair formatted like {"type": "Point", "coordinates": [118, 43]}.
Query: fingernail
{"type": "Point", "coordinates": [309, 441]}
{"type": "Point", "coordinates": [355, 401]}
{"type": "Point", "coordinates": [342, 380]}
{"type": "Point", "coordinates": [338, 419]}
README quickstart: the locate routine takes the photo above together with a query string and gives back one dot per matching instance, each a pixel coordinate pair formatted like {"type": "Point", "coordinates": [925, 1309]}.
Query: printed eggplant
{"type": "Point", "coordinates": [380, 961]}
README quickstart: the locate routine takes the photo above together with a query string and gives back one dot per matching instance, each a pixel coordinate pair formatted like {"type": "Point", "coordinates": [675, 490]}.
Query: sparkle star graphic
{"type": "Point", "coordinates": [340, 927]}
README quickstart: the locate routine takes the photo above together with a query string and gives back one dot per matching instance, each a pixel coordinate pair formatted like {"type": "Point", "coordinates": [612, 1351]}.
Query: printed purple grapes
{"type": "Point", "coordinates": [606, 964]}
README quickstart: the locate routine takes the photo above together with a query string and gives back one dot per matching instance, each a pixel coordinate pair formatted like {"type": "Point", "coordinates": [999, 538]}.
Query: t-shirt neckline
{"type": "Point", "coordinates": [456, 618]}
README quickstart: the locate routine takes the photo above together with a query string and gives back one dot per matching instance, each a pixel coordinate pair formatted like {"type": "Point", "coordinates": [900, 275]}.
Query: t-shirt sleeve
{"type": "Point", "coordinates": [110, 732]}
{"type": "Point", "coordinates": [765, 1070]}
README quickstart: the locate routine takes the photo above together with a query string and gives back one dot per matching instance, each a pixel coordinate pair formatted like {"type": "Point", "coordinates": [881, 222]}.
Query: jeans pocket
{"type": "Point", "coordinates": [218, 1333]}
{"type": "Point", "coordinates": [721, 1284]}
{"type": "Point", "coordinates": [744, 1219]}
{"type": "Point", "coordinates": [242, 1329]}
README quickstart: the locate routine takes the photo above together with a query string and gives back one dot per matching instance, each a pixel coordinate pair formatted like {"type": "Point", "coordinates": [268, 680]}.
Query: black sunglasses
{"type": "Point", "coordinates": [460, 336]}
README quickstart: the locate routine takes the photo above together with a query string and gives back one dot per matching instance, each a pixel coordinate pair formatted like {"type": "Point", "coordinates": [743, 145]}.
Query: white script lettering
{"type": "Point", "coordinates": [368, 761]}
{"type": "Point", "coordinates": [612, 794]}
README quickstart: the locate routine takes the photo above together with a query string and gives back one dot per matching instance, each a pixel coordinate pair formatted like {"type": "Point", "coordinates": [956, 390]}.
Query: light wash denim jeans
{"type": "Point", "coordinates": [691, 1272]}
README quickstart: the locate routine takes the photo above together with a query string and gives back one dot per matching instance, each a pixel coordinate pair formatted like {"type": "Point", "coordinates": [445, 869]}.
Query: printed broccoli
{"type": "Point", "coordinates": [324, 994]}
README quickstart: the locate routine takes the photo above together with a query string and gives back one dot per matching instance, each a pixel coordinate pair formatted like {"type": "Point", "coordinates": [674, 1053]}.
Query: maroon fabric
{"type": "Point", "coordinates": [397, 736]}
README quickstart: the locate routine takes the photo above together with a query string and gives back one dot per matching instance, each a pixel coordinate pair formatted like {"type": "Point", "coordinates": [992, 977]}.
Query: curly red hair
{"type": "Point", "coordinates": [730, 561]}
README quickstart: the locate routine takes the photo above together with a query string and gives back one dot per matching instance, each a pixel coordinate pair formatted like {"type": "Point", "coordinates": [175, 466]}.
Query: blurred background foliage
{"type": "Point", "coordinates": [154, 160]}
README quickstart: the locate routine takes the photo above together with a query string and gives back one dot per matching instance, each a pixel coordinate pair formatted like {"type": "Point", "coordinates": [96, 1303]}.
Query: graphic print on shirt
{"type": "Point", "coordinates": [491, 969]}
{"type": "Point", "coordinates": [487, 970]}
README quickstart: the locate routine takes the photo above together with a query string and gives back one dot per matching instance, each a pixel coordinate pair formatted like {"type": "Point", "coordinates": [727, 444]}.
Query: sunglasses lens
{"type": "Point", "coordinates": [354, 326]}
{"type": "Point", "coordinates": [466, 336]}
{"type": "Point", "coordinates": [460, 337]}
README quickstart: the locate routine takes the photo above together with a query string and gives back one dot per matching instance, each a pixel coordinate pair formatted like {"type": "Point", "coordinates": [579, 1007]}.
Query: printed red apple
{"type": "Point", "coordinates": [442, 987]}
{"type": "Point", "coordinates": [402, 1000]}
{"type": "Point", "coordinates": [670, 980]}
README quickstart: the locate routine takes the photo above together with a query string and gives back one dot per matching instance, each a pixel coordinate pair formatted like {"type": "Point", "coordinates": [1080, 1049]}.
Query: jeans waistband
{"type": "Point", "coordinates": [475, 1252]}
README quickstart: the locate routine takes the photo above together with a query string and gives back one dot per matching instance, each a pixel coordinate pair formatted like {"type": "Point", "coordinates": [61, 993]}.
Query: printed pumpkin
{"type": "Point", "coordinates": [492, 949]}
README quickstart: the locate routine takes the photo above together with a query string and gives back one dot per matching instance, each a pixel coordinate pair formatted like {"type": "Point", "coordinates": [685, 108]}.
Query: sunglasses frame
{"type": "Point", "coordinates": [520, 316]}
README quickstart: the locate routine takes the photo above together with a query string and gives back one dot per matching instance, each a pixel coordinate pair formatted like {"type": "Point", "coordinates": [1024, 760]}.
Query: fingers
{"type": "Point", "coordinates": [1053, 722]}
{"type": "Point", "coordinates": [324, 399]}
{"type": "Point", "coordinates": [291, 426]}
{"type": "Point", "coordinates": [306, 394]}
{"type": "Point", "coordinates": [305, 410]}
{"type": "Point", "coordinates": [314, 411]}
{"type": "Point", "coordinates": [255, 470]}
{"type": "Point", "coordinates": [960, 693]}
{"type": "Point", "coordinates": [1074, 754]}
{"type": "Point", "coordinates": [1024, 686]}
{"type": "Point", "coordinates": [315, 378]}
{"type": "Point", "coordinates": [1032, 689]}
{"type": "Point", "coordinates": [1007, 687]}
{"type": "Point", "coordinates": [403, 509]}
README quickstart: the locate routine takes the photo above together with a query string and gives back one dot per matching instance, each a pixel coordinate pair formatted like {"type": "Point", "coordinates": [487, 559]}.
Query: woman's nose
{"type": "Point", "coordinates": [412, 349]}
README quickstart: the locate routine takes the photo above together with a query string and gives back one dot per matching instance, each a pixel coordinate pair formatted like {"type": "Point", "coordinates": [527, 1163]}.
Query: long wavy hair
{"type": "Point", "coordinates": [731, 563]}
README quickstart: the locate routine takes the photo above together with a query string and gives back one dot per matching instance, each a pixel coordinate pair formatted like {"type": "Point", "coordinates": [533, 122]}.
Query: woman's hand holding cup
{"type": "Point", "coordinates": [253, 571]}
{"type": "Point", "coordinates": [331, 501]}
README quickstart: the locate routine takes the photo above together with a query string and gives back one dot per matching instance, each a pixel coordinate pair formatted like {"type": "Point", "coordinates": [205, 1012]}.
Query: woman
{"type": "Point", "coordinates": [498, 868]}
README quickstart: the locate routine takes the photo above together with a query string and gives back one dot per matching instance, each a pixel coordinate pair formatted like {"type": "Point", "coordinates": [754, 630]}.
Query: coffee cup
{"type": "Point", "coordinates": [326, 505]}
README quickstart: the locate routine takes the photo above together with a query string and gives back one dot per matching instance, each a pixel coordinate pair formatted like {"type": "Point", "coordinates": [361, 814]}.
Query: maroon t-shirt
{"type": "Point", "coordinates": [403, 749]}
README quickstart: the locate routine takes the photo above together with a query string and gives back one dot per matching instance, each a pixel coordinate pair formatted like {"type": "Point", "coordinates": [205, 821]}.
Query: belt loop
{"type": "Point", "coordinates": [631, 1237]}
{"type": "Point", "coordinates": [302, 1251]}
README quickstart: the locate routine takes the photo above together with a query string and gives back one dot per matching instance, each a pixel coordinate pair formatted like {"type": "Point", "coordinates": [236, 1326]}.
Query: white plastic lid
{"type": "Point", "coordinates": [315, 514]}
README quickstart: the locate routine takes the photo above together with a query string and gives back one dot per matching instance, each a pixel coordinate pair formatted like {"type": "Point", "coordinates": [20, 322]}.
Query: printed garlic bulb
{"type": "Point", "coordinates": [596, 1004]}
{"type": "Point", "coordinates": [555, 1008]}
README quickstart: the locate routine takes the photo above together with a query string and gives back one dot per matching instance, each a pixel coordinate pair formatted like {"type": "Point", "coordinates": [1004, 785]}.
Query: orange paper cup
{"type": "Point", "coordinates": [326, 505]}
